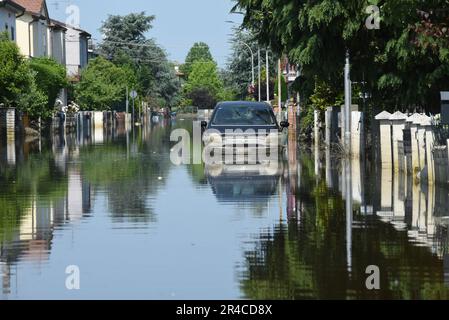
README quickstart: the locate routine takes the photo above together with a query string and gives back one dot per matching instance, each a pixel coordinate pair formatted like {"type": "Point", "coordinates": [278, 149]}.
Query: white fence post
{"type": "Point", "coordinates": [447, 168]}
{"type": "Point", "coordinates": [398, 126]}
{"type": "Point", "coordinates": [386, 177]}
{"type": "Point", "coordinates": [328, 120]}
{"type": "Point", "coordinates": [414, 142]}
{"type": "Point", "coordinates": [421, 134]}
{"type": "Point", "coordinates": [429, 145]}
{"type": "Point", "coordinates": [356, 133]}
{"type": "Point", "coordinates": [385, 138]}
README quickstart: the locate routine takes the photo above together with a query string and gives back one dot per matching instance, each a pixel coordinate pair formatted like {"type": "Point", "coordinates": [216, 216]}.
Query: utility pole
{"type": "Point", "coordinates": [252, 67]}
{"type": "Point", "coordinates": [348, 104]}
{"type": "Point", "coordinates": [298, 97]}
{"type": "Point", "coordinates": [348, 167]}
{"type": "Point", "coordinates": [259, 80]}
{"type": "Point", "coordinates": [253, 82]}
{"type": "Point", "coordinates": [267, 66]}
{"type": "Point", "coordinates": [134, 96]}
{"type": "Point", "coordinates": [133, 122]}
{"type": "Point", "coordinates": [253, 77]}
{"type": "Point", "coordinates": [127, 99]}
{"type": "Point", "coordinates": [349, 212]}
{"type": "Point", "coordinates": [279, 90]}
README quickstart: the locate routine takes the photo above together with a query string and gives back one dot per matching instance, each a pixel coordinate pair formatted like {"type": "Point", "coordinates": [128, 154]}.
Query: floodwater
{"type": "Point", "coordinates": [139, 227]}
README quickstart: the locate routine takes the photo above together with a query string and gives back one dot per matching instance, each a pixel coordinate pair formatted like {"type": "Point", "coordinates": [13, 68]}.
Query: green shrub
{"type": "Point", "coordinates": [50, 78]}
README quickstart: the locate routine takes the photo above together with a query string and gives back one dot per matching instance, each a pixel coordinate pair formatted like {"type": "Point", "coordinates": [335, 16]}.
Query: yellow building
{"type": "Point", "coordinates": [33, 28]}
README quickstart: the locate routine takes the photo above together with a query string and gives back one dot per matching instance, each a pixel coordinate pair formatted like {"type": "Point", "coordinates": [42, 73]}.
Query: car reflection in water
{"type": "Point", "coordinates": [248, 183]}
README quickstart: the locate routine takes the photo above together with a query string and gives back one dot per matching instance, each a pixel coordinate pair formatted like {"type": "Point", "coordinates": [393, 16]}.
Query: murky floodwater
{"type": "Point", "coordinates": [139, 227]}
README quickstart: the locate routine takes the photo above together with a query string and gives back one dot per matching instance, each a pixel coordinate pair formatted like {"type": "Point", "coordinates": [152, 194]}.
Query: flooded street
{"type": "Point", "coordinates": [140, 227]}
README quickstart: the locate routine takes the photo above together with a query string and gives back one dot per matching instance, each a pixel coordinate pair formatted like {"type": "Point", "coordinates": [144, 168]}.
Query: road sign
{"type": "Point", "coordinates": [133, 94]}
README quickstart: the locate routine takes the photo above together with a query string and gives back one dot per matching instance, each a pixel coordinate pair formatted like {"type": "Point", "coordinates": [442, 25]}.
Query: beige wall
{"type": "Point", "coordinates": [22, 34]}
{"type": "Point", "coordinates": [38, 32]}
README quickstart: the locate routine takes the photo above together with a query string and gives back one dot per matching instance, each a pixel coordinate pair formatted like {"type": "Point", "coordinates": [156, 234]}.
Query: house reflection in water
{"type": "Point", "coordinates": [417, 207]}
{"type": "Point", "coordinates": [393, 221]}
{"type": "Point", "coordinates": [30, 219]}
{"type": "Point", "coordinates": [396, 198]}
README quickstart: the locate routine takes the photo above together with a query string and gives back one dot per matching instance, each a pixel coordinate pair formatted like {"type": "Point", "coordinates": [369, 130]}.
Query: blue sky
{"type": "Point", "coordinates": [178, 24]}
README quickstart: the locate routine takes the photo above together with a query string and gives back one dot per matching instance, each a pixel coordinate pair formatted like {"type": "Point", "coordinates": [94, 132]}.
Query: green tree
{"type": "Point", "coordinates": [199, 52]}
{"type": "Point", "coordinates": [14, 73]}
{"type": "Point", "coordinates": [204, 86]}
{"type": "Point", "coordinates": [50, 78]}
{"type": "Point", "coordinates": [103, 85]}
{"type": "Point", "coordinates": [204, 75]}
{"type": "Point", "coordinates": [18, 86]}
{"type": "Point", "coordinates": [125, 44]}
{"type": "Point", "coordinates": [404, 63]}
{"type": "Point", "coordinates": [33, 101]}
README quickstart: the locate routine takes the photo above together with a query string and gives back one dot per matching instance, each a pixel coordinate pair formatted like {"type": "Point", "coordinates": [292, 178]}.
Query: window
{"type": "Point", "coordinates": [244, 115]}
{"type": "Point", "coordinates": [13, 34]}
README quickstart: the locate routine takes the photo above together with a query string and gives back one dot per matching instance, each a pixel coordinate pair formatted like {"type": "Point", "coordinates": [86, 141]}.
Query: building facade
{"type": "Point", "coordinates": [77, 48]}
{"type": "Point", "coordinates": [28, 23]}
{"type": "Point", "coordinates": [57, 35]}
{"type": "Point", "coordinates": [33, 28]}
{"type": "Point", "coordinates": [9, 11]}
{"type": "Point", "coordinates": [57, 49]}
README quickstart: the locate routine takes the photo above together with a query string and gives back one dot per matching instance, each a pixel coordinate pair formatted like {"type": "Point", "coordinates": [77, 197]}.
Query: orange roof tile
{"type": "Point", "coordinates": [33, 6]}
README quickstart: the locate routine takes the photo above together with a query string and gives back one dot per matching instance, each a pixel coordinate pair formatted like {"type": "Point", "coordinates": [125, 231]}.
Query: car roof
{"type": "Point", "coordinates": [231, 104]}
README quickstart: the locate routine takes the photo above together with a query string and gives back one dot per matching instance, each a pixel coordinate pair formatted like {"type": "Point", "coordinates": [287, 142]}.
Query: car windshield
{"type": "Point", "coordinates": [243, 115]}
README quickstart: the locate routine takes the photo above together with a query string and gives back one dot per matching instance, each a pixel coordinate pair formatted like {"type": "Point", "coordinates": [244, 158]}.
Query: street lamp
{"type": "Point", "coordinates": [252, 57]}
{"type": "Point", "coordinates": [252, 61]}
{"type": "Point", "coordinates": [267, 75]}
{"type": "Point", "coordinates": [253, 76]}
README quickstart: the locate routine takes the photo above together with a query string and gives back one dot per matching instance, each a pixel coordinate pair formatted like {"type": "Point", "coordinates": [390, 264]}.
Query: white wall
{"type": "Point", "coordinates": [73, 50]}
{"type": "Point", "coordinates": [76, 51]}
{"type": "Point", "coordinates": [38, 33]}
{"type": "Point", "coordinates": [22, 34]}
{"type": "Point", "coordinates": [57, 50]}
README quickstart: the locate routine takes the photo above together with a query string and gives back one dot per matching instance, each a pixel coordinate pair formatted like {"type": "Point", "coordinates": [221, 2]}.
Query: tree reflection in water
{"type": "Point", "coordinates": [51, 184]}
{"type": "Point", "coordinates": [112, 180]}
{"type": "Point", "coordinates": [305, 257]}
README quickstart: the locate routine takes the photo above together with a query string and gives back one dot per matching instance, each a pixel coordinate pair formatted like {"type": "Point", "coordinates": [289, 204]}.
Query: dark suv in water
{"type": "Point", "coordinates": [244, 124]}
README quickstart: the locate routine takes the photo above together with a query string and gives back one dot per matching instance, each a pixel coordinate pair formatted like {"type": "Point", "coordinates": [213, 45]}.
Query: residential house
{"type": "Point", "coordinates": [57, 49]}
{"type": "Point", "coordinates": [290, 71]}
{"type": "Point", "coordinates": [40, 36]}
{"type": "Point", "coordinates": [33, 28]}
{"type": "Point", "coordinates": [9, 10]}
{"type": "Point", "coordinates": [73, 43]}
{"type": "Point", "coordinates": [77, 49]}
{"type": "Point", "coordinates": [92, 50]}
